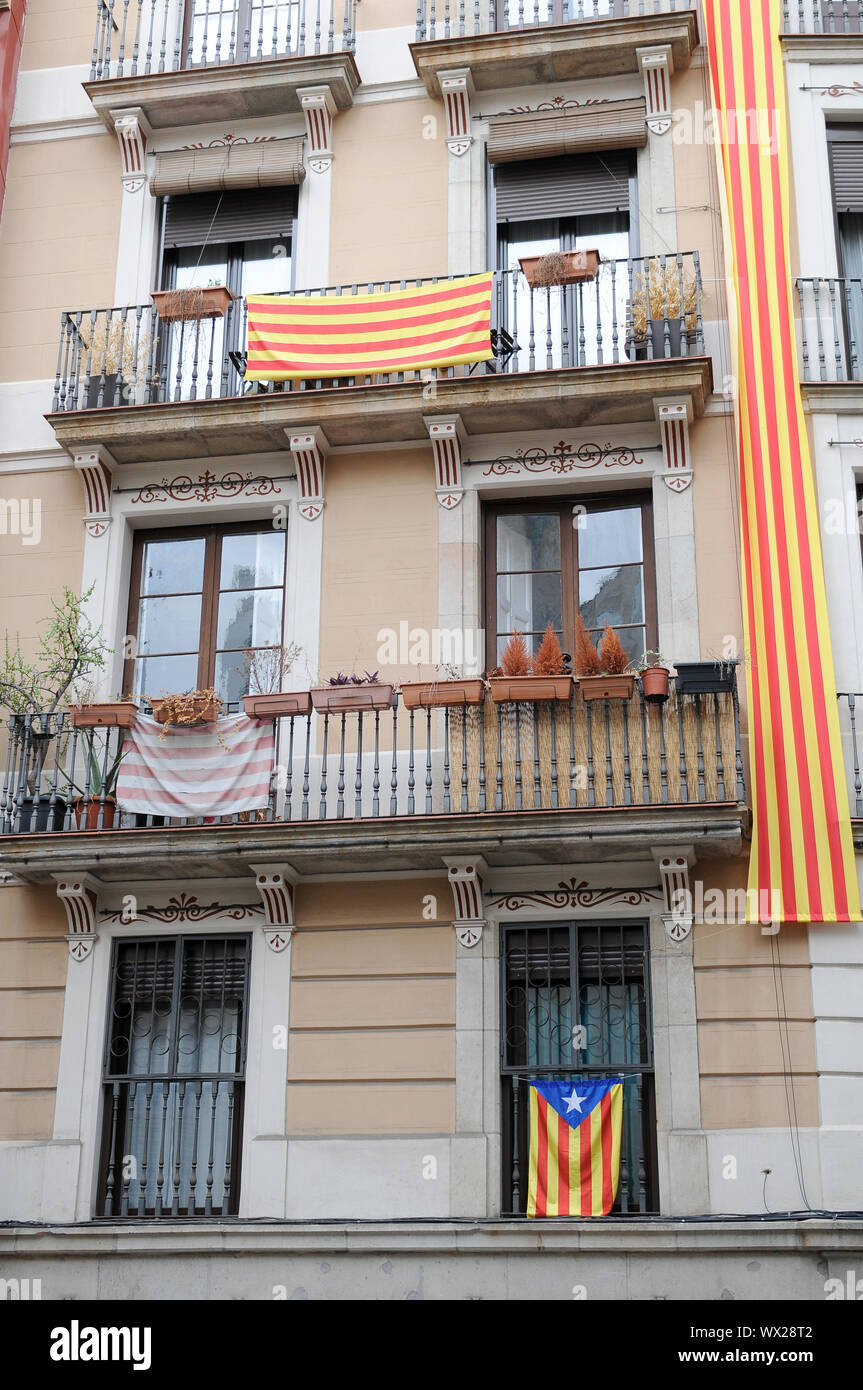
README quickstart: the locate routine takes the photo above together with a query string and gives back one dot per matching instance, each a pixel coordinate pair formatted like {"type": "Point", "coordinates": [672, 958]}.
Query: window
{"type": "Point", "coordinates": [576, 1005]}
{"type": "Point", "coordinates": [199, 598]}
{"type": "Point", "coordinates": [225, 31]}
{"type": "Point", "coordinates": [175, 1058]}
{"type": "Point", "coordinates": [845, 145]}
{"type": "Point", "coordinates": [546, 561]}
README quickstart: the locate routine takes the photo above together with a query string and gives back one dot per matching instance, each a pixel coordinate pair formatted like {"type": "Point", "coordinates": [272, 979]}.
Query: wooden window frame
{"type": "Point", "coordinates": [568, 558]}
{"type": "Point", "coordinates": [212, 535]}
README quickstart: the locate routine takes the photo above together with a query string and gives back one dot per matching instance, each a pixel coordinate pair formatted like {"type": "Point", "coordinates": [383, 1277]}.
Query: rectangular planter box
{"type": "Point", "coordinates": [438, 694]}
{"type": "Point", "coordinates": [606, 687]}
{"type": "Point", "coordinates": [207, 712]}
{"type": "Point", "coordinates": [120, 714]}
{"type": "Point", "coordinates": [341, 699]}
{"type": "Point", "coordinates": [217, 300]}
{"type": "Point", "coordinates": [704, 677]}
{"type": "Point", "coordinates": [36, 814]}
{"type": "Point", "coordinates": [274, 706]}
{"type": "Point", "coordinates": [581, 265]}
{"type": "Point", "coordinates": [507, 688]}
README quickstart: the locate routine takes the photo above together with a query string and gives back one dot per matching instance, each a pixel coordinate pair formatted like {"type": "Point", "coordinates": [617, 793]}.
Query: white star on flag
{"type": "Point", "coordinates": [574, 1101]}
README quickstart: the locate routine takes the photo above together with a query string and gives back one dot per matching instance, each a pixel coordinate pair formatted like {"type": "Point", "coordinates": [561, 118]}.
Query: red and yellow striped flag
{"type": "Point", "coordinates": [801, 842]}
{"type": "Point", "coordinates": [300, 337]}
{"type": "Point", "coordinates": [574, 1157]}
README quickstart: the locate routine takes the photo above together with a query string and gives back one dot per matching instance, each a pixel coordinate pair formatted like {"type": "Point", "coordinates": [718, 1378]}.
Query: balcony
{"type": "Point", "coordinates": [526, 782]}
{"type": "Point", "coordinates": [582, 353]}
{"type": "Point", "coordinates": [246, 59]}
{"type": "Point", "coordinates": [822, 17]}
{"type": "Point", "coordinates": [516, 43]}
{"type": "Point", "coordinates": [831, 329]}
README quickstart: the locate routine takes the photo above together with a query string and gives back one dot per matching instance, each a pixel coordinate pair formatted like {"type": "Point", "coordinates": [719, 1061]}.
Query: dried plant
{"type": "Point", "coordinates": [185, 708]}
{"type": "Point", "coordinates": [549, 659]}
{"type": "Point", "coordinates": [114, 344]}
{"type": "Point", "coordinates": [185, 304]}
{"type": "Point", "coordinates": [657, 293]}
{"type": "Point", "coordinates": [612, 653]}
{"type": "Point", "coordinates": [516, 659]}
{"type": "Point", "coordinates": [586, 655]}
{"type": "Point", "coordinates": [553, 269]}
{"type": "Point", "coordinates": [266, 668]}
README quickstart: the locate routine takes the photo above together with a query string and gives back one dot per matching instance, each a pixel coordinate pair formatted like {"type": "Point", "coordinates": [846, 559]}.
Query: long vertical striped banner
{"type": "Point", "coordinates": [802, 850]}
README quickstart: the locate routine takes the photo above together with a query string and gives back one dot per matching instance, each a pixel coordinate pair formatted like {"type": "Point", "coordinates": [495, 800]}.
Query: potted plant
{"type": "Point", "coordinates": [266, 670]}
{"type": "Point", "coordinates": [454, 689]}
{"type": "Point", "coordinates": [663, 294]}
{"type": "Point", "coordinates": [559, 268]}
{"type": "Point", "coordinates": [344, 693]}
{"type": "Point", "coordinates": [191, 707]}
{"type": "Point", "coordinates": [704, 677]}
{"type": "Point", "coordinates": [543, 677]}
{"type": "Point", "coordinates": [98, 797]}
{"type": "Point", "coordinates": [34, 691]}
{"type": "Point", "coordinates": [95, 714]}
{"type": "Point", "coordinates": [602, 674]}
{"type": "Point", "coordinates": [653, 671]}
{"type": "Point", "coordinates": [113, 354]}
{"type": "Point", "coordinates": [192, 304]}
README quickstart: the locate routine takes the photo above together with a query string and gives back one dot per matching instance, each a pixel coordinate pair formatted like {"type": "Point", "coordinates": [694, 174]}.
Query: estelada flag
{"type": "Point", "coordinates": [574, 1159]}
{"type": "Point", "coordinates": [299, 337]}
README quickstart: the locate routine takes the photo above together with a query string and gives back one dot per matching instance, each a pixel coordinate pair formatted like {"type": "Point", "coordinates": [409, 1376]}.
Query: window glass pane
{"type": "Point", "coordinates": [252, 561]}
{"type": "Point", "coordinates": [250, 619]}
{"type": "Point", "coordinates": [528, 541]}
{"type": "Point", "coordinates": [610, 537]}
{"type": "Point", "coordinates": [165, 675]}
{"type": "Point", "coordinates": [266, 267]}
{"type": "Point", "coordinates": [613, 596]}
{"type": "Point", "coordinates": [526, 602]}
{"type": "Point", "coordinates": [231, 680]}
{"type": "Point", "coordinates": [169, 624]}
{"type": "Point", "coordinates": [173, 567]}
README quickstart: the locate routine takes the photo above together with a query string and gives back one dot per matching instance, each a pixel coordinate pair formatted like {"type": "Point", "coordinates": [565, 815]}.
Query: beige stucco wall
{"type": "Point", "coordinates": [717, 536]}
{"type": "Point", "coordinates": [696, 177]}
{"type": "Point", "coordinates": [58, 33]}
{"type": "Point", "coordinates": [372, 1026]}
{"type": "Point", "coordinates": [33, 960]}
{"type": "Point", "coordinates": [401, 234]}
{"type": "Point", "coordinates": [388, 14]}
{"type": "Point", "coordinates": [30, 575]}
{"type": "Point", "coordinates": [58, 246]}
{"type": "Point", "coordinates": [743, 1085]}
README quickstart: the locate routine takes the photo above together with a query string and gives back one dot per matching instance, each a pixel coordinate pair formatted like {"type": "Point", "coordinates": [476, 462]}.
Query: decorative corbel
{"type": "Point", "coordinates": [657, 65]}
{"type": "Point", "coordinates": [465, 877]}
{"type": "Point", "coordinates": [674, 416]}
{"type": "Point", "coordinates": [133, 131]}
{"type": "Point", "coordinates": [319, 108]}
{"type": "Point", "coordinates": [457, 88]}
{"type": "Point", "coordinates": [275, 883]}
{"type": "Point", "coordinates": [674, 865]}
{"type": "Point", "coordinates": [446, 433]}
{"type": "Point", "coordinates": [95, 466]}
{"type": "Point", "coordinates": [79, 895]}
{"type": "Point", "coordinates": [310, 449]}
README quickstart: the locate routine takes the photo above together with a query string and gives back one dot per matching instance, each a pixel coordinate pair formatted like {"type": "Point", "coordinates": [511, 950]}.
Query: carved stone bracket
{"type": "Point", "coordinates": [275, 883]}
{"type": "Point", "coordinates": [133, 131]}
{"type": "Point", "coordinates": [447, 433]}
{"type": "Point", "coordinates": [674, 864]}
{"type": "Point", "coordinates": [95, 465]}
{"type": "Point", "coordinates": [657, 65]}
{"type": "Point", "coordinates": [465, 877]}
{"type": "Point", "coordinates": [310, 449]}
{"type": "Point", "coordinates": [674, 416]}
{"type": "Point", "coordinates": [457, 89]}
{"type": "Point", "coordinates": [79, 895]}
{"type": "Point", "coordinates": [318, 108]}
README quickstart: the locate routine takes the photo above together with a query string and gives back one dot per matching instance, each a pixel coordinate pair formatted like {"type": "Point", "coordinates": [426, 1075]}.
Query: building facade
{"type": "Point", "coordinates": [302, 1034]}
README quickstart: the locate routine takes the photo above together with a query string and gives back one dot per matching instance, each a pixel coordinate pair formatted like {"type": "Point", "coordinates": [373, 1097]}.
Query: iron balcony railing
{"type": "Point", "coordinates": [823, 16]}
{"type": "Point", "coordinates": [400, 762]}
{"type": "Point", "coordinates": [634, 310]}
{"type": "Point", "coordinates": [444, 19]}
{"type": "Point", "coordinates": [831, 328]}
{"type": "Point", "coordinates": [851, 730]}
{"type": "Point", "coordinates": [137, 37]}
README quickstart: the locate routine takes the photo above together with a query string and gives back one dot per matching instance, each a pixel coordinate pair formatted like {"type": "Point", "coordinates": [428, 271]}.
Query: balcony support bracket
{"type": "Point", "coordinates": [310, 449]}
{"type": "Point", "coordinates": [95, 465]}
{"type": "Point", "coordinates": [674, 415]}
{"type": "Point", "coordinates": [657, 65]}
{"type": "Point", "coordinates": [132, 130]}
{"type": "Point", "coordinates": [275, 883]}
{"type": "Point", "coordinates": [457, 89]}
{"type": "Point", "coordinates": [466, 880]}
{"type": "Point", "coordinates": [446, 433]}
{"type": "Point", "coordinates": [79, 895]}
{"type": "Point", "coordinates": [674, 863]}
{"type": "Point", "coordinates": [319, 108]}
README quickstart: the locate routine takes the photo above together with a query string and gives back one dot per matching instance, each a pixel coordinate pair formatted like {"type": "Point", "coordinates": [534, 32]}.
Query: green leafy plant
{"type": "Point", "coordinates": [99, 785]}
{"type": "Point", "coordinates": [648, 660]}
{"type": "Point", "coordinates": [69, 650]}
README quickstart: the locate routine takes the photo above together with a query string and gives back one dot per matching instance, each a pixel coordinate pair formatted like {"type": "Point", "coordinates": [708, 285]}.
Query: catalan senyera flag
{"type": "Point", "coordinates": [801, 842]}
{"type": "Point", "coordinates": [574, 1157]}
{"type": "Point", "coordinates": [299, 337]}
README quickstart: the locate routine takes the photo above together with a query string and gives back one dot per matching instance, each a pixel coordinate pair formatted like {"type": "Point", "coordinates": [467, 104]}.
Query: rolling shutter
{"type": "Point", "coordinates": [609, 125]}
{"type": "Point", "coordinates": [191, 219]}
{"type": "Point", "coordinates": [846, 168]}
{"type": "Point", "coordinates": [573, 186]}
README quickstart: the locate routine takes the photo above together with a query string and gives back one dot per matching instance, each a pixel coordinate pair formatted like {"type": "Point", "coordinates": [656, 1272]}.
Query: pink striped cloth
{"type": "Point", "coordinates": [204, 770]}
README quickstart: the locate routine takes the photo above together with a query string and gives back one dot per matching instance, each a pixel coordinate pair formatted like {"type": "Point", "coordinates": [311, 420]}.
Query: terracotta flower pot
{"type": "Point", "coordinates": [339, 699]}
{"type": "Point", "coordinates": [274, 706]}
{"type": "Point", "coordinates": [506, 688]}
{"type": "Point", "coordinates": [206, 711]}
{"type": "Point", "coordinates": [580, 266]}
{"type": "Point", "coordinates": [94, 806]}
{"type": "Point", "coordinates": [438, 694]}
{"type": "Point", "coordinates": [118, 714]}
{"type": "Point", "coordinates": [606, 687]}
{"type": "Point", "coordinates": [654, 682]}
{"type": "Point", "coordinates": [216, 300]}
